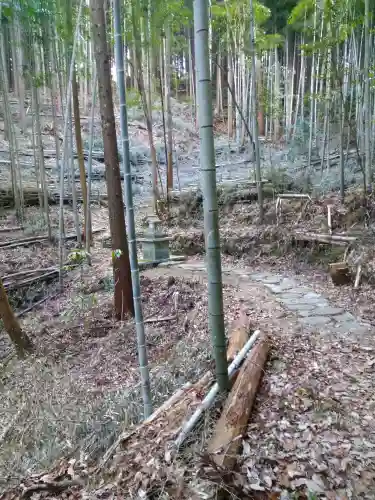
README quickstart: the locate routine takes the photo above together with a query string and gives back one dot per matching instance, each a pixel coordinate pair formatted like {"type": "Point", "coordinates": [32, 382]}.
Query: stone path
{"type": "Point", "coordinates": [312, 309]}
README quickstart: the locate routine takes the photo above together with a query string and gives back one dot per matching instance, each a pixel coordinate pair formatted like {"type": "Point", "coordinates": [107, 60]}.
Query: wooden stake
{"type": "Point", "coordinates": [358, 276]}
{"type": "Point", "coordinates": [329, 218]}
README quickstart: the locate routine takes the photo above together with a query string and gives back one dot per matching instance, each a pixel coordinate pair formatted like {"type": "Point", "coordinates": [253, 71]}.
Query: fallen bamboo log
{"type": "Point", "coordinates": [172, 412]}
{"type": "Point", "coordinates": [169, 413]}
{"type": "Point", "coordinates": [29, 281]}
{"type": "Point", "coordinates": [294, 196]}
{"type": "Point", "coordinates": [51, 153]}
{"type": "Point", "coordinates": [48, 274]}
{"type": "Point", "coordinates": [31, 197]}
{"type": "Point", "coordinates": [333, 239]}
{"type": "Point", "coordinates": [160, 320]}
{"type": "Point", "coordinates": [31, 239]}
{"type": "Point", "coordinates": [208, 401]}
{"type": "Point", "coordinates": [36, 304]}
{"type": "Point", "coordinates": [27, 272]}
{"type": "Point", "coordinates": [231, 426]}
{"type": "Point", "coordinates": [41, 239]}
{"type": "Point", "coordinates": [8, 229]}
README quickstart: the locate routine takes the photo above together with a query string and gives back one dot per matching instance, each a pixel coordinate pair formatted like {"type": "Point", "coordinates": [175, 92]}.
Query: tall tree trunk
{"type": "Point", "coordinates": [193, 78]}
{"type": "Point", "coordinates": [81, 161]}
{"type": "Point", "coordinates": [312, 99]}
{"type": "Point", "coordinates": [255, 121]}
{"type": "Point", "coordinates": [89, 161]}
{"type": "Point", "coordinates": [39, 141]}
{"type": "Point", "coordinates": [168, 71]}
{"type": "Point", "coordinates": [77, 118]}
{"type": "Point", "coordinates": [259, 104]}
{"type": "Point", "coordinates": [121, 266]}
{"type": "Point", "coordinates": [21, 341]}
{"type": "Point", "coordinates": [9, 132]}
{"type": "Point", "coordinates": [72, 171]}
{"type": "Point", "coordinates": [21, 82]}
{"type": "Point", "coordinates": [231, 85]}
{"type": "Point", "coordinates": [146, 110]}
{"type": "Point", "coordinates": [219, 99]}
{"type": "Point", "coordinates": [366, 97]}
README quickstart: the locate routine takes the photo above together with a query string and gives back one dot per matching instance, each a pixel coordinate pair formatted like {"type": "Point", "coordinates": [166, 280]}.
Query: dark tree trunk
{"type": "Point", "coordinates": [21, 341]}
{"type": "Point", "coordinates": [121, 265]}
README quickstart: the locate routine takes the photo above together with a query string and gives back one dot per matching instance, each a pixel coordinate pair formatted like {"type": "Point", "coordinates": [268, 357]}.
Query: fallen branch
{"type": "Point", "coordinates": [232, 424]}
{"type": "Point", "coordinates": [168, 414]}
{"type": "Point", "coordinates": [160, 320]}
{"type": "Point", "coordinates": [36, 304]}
{"type": "Point", "coordinates": [210, 398]}
{"type": "Point", "coordinates": [325, 238]}
{"type": "Point", "coordinates": [41, 239]}
{"type": "Point", "coordinates": [26, 282]}
{"type": "Point", "coordinates": [27, 272]}
{"type": "Point", "coordinates": [52, 486]}
{"type": "Point", "coordinates": [8, 229]}
{"type": "Point", "coordinates": [23, 241]}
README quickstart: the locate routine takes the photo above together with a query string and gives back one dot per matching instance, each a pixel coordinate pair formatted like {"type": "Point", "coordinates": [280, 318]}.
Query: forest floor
{"type": "Point", "coordinates": [313, 426]}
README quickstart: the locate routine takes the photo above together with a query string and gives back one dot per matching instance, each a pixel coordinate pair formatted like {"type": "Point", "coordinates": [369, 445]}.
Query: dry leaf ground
{"type": "Point", "coordinates": [82, 386]}
{"type": "Point", "coordinates": [313, 428]}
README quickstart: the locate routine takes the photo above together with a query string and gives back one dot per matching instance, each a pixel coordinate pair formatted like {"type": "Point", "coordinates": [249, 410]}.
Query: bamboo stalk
{"type": "Point", "coordinates": [210, 398]}
{"type": "Point", "coordinates": [132, 242]}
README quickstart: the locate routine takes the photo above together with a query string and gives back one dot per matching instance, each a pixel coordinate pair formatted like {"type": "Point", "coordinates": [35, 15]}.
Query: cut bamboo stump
{"type": "Point", "coordinates": [340, 274]}
{"type": "Point", "coordinates": [239, 335]}
{"type": "Point", "coordinates": [226, 441]}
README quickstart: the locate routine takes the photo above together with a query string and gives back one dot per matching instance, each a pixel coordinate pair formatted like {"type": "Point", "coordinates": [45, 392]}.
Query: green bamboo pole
{"type": "Point", "coordinates": [255, 113]}
{"type": "Point", "coordinates": [366, 97]}
{"type": "Point", "coordinates": [141, 338]}
{"type": "Point", "coordinates": [208, 174]}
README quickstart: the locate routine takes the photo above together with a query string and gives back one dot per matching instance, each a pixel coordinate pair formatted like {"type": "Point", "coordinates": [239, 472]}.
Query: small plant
{"type": "Point", "coordinates": [116, 254]}
{"type": "Point", "coordinates": [76, 258]}
{"type": "Point", "coordinates": [108, 283]}
{"type": "Point", "coordinates": [80, 304]}
{"type": "Point", "coordinates": [35, 223]}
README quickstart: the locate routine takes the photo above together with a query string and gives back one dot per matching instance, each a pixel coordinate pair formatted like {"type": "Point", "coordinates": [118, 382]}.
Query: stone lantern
{"type": "Point", "coordinates": [155, 243]}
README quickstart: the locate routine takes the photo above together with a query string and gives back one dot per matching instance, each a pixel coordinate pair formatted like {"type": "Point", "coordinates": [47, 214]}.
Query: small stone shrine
{"type": "Point", "coordinates": [155, 243]}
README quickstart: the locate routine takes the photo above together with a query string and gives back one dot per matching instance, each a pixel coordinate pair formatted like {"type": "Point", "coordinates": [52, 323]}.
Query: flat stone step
{"type": "Point", "coordinates": [320, 311]}
{"type": "Point", "coordinates": [312, 309]}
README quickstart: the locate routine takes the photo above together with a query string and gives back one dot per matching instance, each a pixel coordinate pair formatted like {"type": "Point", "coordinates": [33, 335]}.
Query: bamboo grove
{"type": "Point", "coordinates": [312, 79]}
{"type": "Point", "coordinates": [293, 72]}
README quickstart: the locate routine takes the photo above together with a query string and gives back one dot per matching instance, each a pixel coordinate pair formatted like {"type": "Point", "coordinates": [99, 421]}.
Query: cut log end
{"type": "Point", "coordinates": [239, 335]}
{"type": "Point", "coordinates": [340, 273]}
